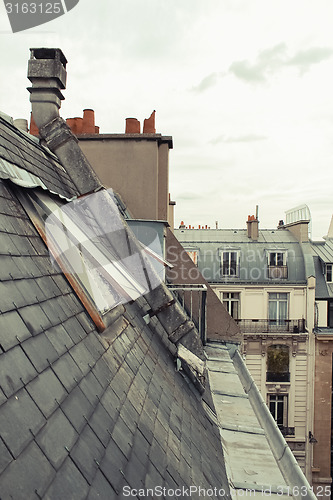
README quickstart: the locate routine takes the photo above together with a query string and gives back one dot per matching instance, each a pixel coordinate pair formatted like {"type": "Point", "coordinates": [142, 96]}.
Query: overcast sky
{"type": "Point", "coordinates": [244, 87]}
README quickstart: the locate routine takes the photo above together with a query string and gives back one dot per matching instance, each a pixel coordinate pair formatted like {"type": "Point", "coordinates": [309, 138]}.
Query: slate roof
{"type": "Point", "coordinates": [322, 254]}
{"type": "Point", "coordinates": [253, 254]}
{"type": "Point", "coordinates": [24, 151]}
{"type": "Point", "coordinates": [83, 415]}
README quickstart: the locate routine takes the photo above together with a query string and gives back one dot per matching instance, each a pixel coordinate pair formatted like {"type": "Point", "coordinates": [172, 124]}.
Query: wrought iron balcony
{"type": "Point", "coordinates": [277, 377]}
{"type": "Point", "coordinates": [271, 326]}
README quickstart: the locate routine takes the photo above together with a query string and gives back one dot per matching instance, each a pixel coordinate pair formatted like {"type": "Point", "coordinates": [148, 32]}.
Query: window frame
{"type": "Point", "coordinates": [37, 205]}
{"type": "Point", "coordinates": [329, 272]}
{"type": "Point", "coordinates": [229, 302]}
{"type": "Point", "coordinates": [277, 263]}
{"type": "Point", "coordinates": [229, 260]}
{"type": "Point", "coordinates": [278, 321]}
{"type": "Point", "coordinates": [279, 398]}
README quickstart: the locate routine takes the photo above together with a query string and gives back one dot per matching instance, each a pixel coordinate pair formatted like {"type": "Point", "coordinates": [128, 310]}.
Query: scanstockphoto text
{"type": "Point", "coordinates": [214, 492]}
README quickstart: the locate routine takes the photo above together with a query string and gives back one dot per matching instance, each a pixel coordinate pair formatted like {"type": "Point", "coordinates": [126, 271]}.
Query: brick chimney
{"type": "Point", "coordinates": [253, 226]}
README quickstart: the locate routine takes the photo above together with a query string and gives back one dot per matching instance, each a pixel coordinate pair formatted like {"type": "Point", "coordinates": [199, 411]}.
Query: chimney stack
{"type": "Point", "coordinates": [253, 226]}
{"type": "Point", "coordinates": [47, 73]}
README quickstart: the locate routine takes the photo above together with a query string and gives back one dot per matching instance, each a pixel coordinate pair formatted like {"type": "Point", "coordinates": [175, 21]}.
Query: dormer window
{"type": "Point", "coordinates": [193, 254]}
{"type": "Point", "coordinates": [277, 265]}
{"type": "Point", "coordinates": [229, 263]}
{"type": "Point", "coordinates": [329, 276]}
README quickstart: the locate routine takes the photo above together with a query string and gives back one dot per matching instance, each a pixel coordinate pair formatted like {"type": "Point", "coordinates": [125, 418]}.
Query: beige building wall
{"type": "Point", "coordinates": [254, 305]}
{"type": "Point", "coordinates": [322, 409]}
{"type": "Point", "coordinates": [134, 165]}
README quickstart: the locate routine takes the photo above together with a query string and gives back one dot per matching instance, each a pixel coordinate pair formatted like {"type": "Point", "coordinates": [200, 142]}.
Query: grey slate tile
{"type": "Point", "coordinates": [47, 392]}
{"type": "Point", "coordinates": [40, 351]}
{"type": "Point", "coordinates": [87, 454]}
{"type": "Point", "coordinates": [5, 456]}
{"type": "Point", "coordinates": [10, 296]}
{"type": "Point", "coordinates": [135, 472]}
{"type": "Point", "coordinates": [53, 312]}
{"type": "Point", "coordinates": [12, 330]}
{"type": "Point", "coordinates": [20, 419]}
{"type": "Point", "coordinates": [86, 322]}
{"type": "Point", "coordinates": [28, 267]}
{"type": "Point", "coordinates": [101, 489]}
{"type": "Point", "coordinates": [82, 357]}
{"type": "Point", "coordinates": [91, 388]}
{"type": "Point", "coordinates": [8, 268]}
{"type": "Point", "coordinates": [59, 338]}
{"type": "Point", "coordinates": [15, 370]}
{"type": "Point", "coordinates": [20, 481]}
{"type": "Point", "coordinates": [68, 484]}
{"type": "Point", "coordinates": [94, 346]}
{"type": "Point", "coordinates": [122, 436]}
{"type": "Point", "coordinates": [67, 371]}
{"type": "Point", "coordinates": [35, 319]}
{"type": "Point", "coordinates": [57, 438]}
{"type": "Point", "coordinates": [77, 409]}
{"type": "Point", "coordinates": [113, 465]}
{"type": "Point", "coordinates": [158, 457]}
{"type": "Point", "coordinates": [111, 404]}
{"type": "Point", "coordinates": [73, 327]}
{"type": "Point", "coordinates": [102, 372]}
{"type": "Point", "coordinates": [100, 424]}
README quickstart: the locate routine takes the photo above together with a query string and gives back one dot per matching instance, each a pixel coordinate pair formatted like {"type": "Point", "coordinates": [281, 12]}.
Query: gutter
{"type": "Point", "coordinates": [291, 471]}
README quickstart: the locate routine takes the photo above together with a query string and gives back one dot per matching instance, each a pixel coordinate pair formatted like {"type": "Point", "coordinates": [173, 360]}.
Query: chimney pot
{"type": "Point", "coordinates": [132, 126]}
{"type": "Point", "coordinates": [149, 124]}
{"type": "Point", "coordinates": [88, 125]}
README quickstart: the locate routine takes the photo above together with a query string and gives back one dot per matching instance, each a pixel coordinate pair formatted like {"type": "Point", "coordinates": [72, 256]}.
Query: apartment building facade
{"type": "Point", "coordinates": [266, 281]}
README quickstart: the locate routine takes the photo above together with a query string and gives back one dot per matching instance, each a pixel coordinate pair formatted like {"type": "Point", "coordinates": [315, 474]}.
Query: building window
{"type": "Point", "coordinates": [100, 260]}
{"type": "Point", "coordinates": [278, 364]}
{"type": "Point", "coordinates": [229, 263]}
{"type": "Point", "coordinates": [230, 301]}
{"type": "Point", "coordinates": [193, 254]}
{"type": "Point", "coordinates": [278, 406]}
{"type": "Point", "coordinates": [277, 309]}
{"type": "Point", "coordinates": [329, 273]}
{"type": "Point", "coordinates": [277, 265]}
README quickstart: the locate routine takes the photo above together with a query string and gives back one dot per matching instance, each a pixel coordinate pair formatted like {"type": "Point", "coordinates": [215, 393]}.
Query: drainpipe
{"type": "Point", "coordinates": [47, 73]}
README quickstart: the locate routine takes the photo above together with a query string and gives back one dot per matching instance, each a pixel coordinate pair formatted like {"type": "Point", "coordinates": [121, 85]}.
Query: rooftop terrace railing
{"type": "Point", "coordinates": [271, 326]}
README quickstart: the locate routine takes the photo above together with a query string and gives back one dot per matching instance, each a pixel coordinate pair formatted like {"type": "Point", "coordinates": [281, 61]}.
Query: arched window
{"type": "Point", "coordinates": [278, 363]}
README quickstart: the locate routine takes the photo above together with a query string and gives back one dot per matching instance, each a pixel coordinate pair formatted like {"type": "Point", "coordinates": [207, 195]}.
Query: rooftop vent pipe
{"type": "Point", "coordinates": [47, 73]}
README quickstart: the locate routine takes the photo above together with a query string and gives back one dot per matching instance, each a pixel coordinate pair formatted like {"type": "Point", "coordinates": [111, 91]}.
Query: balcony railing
{"type": "Point", "coordinates": [278, 272]}
{"type": "Point", "coordinates": [277, 377]}
{"type": "Point", "coordinates": [271, 326]}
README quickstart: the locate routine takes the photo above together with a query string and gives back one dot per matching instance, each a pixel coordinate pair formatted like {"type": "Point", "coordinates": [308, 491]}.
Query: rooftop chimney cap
{"type": "Point", "coordinates": [47, 53]}
{"type": "Point", "coordinates": [47, 64]}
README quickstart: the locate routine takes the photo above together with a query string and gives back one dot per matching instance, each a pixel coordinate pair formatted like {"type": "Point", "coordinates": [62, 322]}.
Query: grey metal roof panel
{"type": "Point", "coordinates": [324, 250]}
{"type": "Point", "coordinates": [322, 291]}
{"type": "Point", "coordinates": [253, 254]}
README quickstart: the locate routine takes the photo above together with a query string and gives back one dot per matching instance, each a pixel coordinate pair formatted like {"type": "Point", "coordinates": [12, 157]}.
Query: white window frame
{"type": "Point", "coordinates": [229, 251]}
{"type": "Point", "coordinates": [279, 398]}
{"type": "Point", "coordinates": [279, 320]}
{"type": "Point", "coordinates": [229, 301]}
{"type": "Point", "coordinates": [329, 273]}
